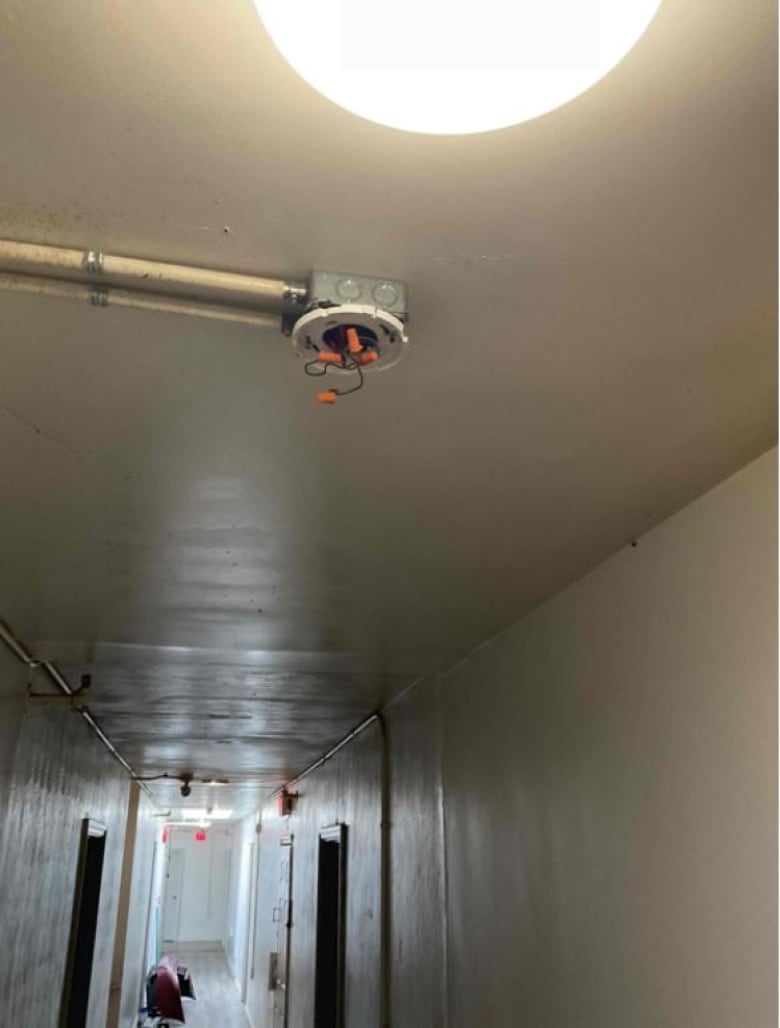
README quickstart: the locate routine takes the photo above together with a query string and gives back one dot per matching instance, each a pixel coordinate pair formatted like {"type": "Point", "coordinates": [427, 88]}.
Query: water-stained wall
{"type": "Point", "coordinates": [582, 811]}
{"type": "Point", "coordinates": [59, 775]}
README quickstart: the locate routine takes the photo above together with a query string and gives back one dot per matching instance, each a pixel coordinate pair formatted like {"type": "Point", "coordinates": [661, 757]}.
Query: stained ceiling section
{"type": "Point", "coordinates": [593, 344]}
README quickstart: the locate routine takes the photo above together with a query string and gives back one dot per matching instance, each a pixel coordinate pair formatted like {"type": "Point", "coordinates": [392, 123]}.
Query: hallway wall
{"type": "Point", "coordinates": [346, 789]}
{"type": "Point", "coordinates": [13, 684]}
{"type": "Point", "coordinates": [136, 964]}
{"type": "Point", "coordinates": [60, 774]}
{"type": "Point", "coordinates": [154, 927]}
{"type": "Point", "coordinates": [609, 765]}
{"type": "Point", "coordinates": [241, 896]}
{"type": "Point", "coordinates": [592, 791]}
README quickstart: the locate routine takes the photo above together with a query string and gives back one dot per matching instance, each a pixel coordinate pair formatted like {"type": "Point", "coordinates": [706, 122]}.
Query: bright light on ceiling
{"type": "Point", "coordinates": [443, 66]}
{"type": "Point", "coordinates": [200, 814]}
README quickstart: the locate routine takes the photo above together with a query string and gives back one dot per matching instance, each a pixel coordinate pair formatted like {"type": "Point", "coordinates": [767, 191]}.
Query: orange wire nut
{"type": "Point", "coordinates": [368, 357]}
{"type": "Point", "coordinates": [326, 357]}
{"type": "Point", "coordinates": [353, 341]}
{"type": "Point", "coordinates": [329, 396]}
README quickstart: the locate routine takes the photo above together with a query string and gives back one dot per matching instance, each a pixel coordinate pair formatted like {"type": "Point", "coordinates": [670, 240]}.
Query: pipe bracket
{"type": "Point", "coordinates": [75, 701]}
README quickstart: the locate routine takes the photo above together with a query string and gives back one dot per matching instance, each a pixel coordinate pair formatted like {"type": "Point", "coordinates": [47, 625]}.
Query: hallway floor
{"type": "Point", "coordinates": [218, 1001]}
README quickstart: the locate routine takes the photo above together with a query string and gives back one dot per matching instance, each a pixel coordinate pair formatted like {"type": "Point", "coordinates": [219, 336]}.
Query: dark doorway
{"type": "Point", "coordinates": [86, 902]}
{"type": "Point", "coordinates": [331, 908]}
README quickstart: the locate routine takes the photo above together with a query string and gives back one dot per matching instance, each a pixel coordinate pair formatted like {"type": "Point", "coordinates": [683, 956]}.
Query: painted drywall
{"type": "Point", "coordinates": [206, 885]}
{"type": "Point", "coordinates": [154, 928]}
{"type": "Point", "coordinates": [609, 765]}
{"type": "Point", "coordinates": [418, 867]}
{"type": "Point", "coordinates": [61, 773]}
{"type": "Point", "coordinates": [123, 907]}
{"type": "Point", "coordinates": [592, 793]}
{"type": "Point", "coordinates": [136, 963]}
{"type": "Point", "coordinates": [241, 897]}
{"type": "Point", "coordinates": [345, 790]}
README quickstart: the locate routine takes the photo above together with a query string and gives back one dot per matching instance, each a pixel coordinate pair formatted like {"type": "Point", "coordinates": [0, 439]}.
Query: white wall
{"type": "Point", "coordinates": [583, 811]}
{"type": "Point", "coordinates": [155, 900]}
{"type": "Point", "coordinates": [237, 946]}
{"type": "Point", "coordinates": [609, 769]}
{"type": "Point", "coordinates": [136, 955]}
{"type": "Point", "coordinates": [206, 889]}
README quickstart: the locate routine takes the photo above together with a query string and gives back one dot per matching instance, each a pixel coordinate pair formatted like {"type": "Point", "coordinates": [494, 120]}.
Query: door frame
{"type": "Point", "coordinates": [91, 830]}
{"type": "Point", "coordinates": [179, 850]}
{"type": "Point", "coordinates": [336, 833]}
{"type": "Point", "coordinates": [248, 970]}
{"type": "Point", "coordinates": [287, 840]}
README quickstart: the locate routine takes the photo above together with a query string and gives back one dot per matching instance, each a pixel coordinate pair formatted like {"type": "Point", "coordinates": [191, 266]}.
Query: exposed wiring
{"type": "Point", "coordinates": [354, 389]}
{"type": "Point", "coordinates": [346, 351]}
{"type": "Point", "coordinates": [322, 368]}
{"type": "Point", "coordinates": [348, 362]}
{"type": "Point", "coordinates": [182, 776]}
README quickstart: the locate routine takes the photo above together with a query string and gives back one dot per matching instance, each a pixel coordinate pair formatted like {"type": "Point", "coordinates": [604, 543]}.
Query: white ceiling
{"type": "Point", "coordinates": [247, 574]}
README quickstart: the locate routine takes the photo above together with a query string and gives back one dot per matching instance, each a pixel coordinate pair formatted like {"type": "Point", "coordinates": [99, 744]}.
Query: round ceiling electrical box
{"type": "Point", "coordinates": [323, 330]}
{"type": "Point", "coordinates": [451, 67]}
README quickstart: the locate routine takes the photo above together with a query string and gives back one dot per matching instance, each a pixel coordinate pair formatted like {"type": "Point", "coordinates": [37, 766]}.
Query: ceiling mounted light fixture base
{"type": "Point", "coordinates": [324, 331]}
{"type": "Point", "coordinates": [352, 324]}
{"type": "Point", "coordinates": [339, 322]}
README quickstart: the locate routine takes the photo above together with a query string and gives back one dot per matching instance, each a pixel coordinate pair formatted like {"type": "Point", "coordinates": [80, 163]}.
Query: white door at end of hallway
{"type": "Point", "coordinates": [174, 880]}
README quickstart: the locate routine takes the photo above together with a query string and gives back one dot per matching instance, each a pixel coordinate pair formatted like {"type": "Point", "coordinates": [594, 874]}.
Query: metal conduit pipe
{"type": "Point", "coordinates": [139, 276]}
{"type": "Point", "coordinates": [101, 297]}
{"type": "Point", "coordinates": [13, 644]}
{"type": "Point", "coordinates": [372, 719]}
{"type": "Point", "coordinates": [20, 651]}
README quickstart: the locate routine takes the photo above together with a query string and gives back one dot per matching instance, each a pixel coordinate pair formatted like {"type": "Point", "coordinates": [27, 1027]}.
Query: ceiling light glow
{"type": "Point", "coordinates": [201, 813]}
{"type": "Point", "coordinates": [441, 67]}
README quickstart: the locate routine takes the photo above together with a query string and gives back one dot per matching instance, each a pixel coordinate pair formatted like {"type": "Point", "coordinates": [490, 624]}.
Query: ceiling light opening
{"type": "Point", "coordinates": [451, 68]}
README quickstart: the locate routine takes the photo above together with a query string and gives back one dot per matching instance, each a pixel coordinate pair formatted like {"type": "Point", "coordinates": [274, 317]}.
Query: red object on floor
{"type": "Point", "coordinates": [163, 993]}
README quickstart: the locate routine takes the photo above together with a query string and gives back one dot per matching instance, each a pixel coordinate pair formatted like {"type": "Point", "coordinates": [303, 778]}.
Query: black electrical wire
{"type": "Point", "coordinates": [354, 389]}
{"type": "Point", "coordinates": [345, 366]}
{"type": "Point", "coordinates": [315, 374]}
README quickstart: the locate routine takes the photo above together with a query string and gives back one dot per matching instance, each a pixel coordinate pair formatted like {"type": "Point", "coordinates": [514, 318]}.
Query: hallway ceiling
{"type": "Point", "coordinates": [246, 574]}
